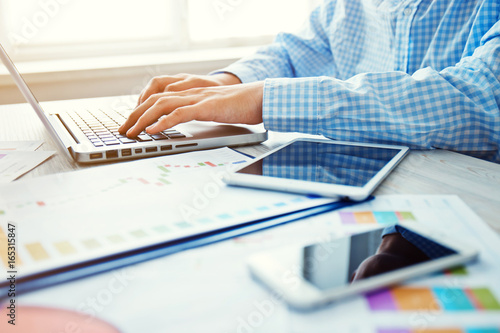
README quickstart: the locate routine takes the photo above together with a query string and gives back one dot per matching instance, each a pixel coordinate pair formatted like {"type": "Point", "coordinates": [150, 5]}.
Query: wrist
{"type": "Point", "coordinates": [226, 79]}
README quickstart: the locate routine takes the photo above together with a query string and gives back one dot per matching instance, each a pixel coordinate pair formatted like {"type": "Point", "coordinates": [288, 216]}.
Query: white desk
{"type": "Point", "coordinates": [476, 181]}
{"type": "Point", "coordinates": [171, 293]}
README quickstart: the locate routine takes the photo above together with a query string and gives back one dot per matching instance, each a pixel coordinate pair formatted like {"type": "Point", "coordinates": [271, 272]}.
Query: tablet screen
{"type": "Point", "coordinates": [338, 164]}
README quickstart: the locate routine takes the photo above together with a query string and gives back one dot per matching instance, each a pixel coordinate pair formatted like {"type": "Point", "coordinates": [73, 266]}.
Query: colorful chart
{"type": "Point", "coordinates": [375, 217]}
{"type": "Point", "coordinates": [41, 251]}
{"type": "Point", "coordinates": [460, 270]}
{"type": "Point", "coordinates": [160, 177]}
{"type": "Point", "coordinates": [199, 165]}
{"type": "Point", "coordinates": [443, 330]}
{"type": "Point", "coordinates": [433, 299]}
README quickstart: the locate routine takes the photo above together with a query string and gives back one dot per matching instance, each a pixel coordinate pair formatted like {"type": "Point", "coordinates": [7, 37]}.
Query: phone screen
{"type": "Point", "coordinates": [326, 163]}
{"type": "Point", "coordinates": [348, 260]}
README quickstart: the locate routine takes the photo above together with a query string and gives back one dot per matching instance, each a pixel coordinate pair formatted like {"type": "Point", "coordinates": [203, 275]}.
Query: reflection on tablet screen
{"type": "Point", "coordinates": [326, 163]}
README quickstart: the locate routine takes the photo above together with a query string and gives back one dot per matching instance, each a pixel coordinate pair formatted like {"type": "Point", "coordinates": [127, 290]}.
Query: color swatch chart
{"type": "Point", "coordinates": [43, 251]}
{"type": "Point", "coordinates": [433, 299]}
{"type": "Point", "coordinates": [375, 217]}
{"type": "Point", "coordinates": [442, 330]}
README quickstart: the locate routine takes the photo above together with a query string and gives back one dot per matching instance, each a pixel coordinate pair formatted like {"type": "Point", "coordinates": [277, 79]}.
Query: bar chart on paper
{"type": "Point", "coordinates": [435, 298]}
{"type": "Point", "coordinates": [112, 209]}
{"type": "Point", "coordinates": [375, 217]}
{"type": "Point", "coordinates": [472, 329]}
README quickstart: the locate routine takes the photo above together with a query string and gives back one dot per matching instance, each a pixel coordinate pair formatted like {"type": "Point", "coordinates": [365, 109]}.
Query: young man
{"type": "Point", "coordinates": [423, 73]}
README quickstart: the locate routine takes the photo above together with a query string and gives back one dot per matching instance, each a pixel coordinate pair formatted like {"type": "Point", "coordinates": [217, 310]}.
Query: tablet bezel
{"type": "Point", "coordinates": [320, 189]}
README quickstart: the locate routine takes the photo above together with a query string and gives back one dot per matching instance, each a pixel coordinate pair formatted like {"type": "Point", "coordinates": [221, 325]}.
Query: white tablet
{"type": "Point", "coordinates": [321, 167]}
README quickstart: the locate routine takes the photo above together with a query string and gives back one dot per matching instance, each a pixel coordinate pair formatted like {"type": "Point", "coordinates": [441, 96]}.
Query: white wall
{"type": "Point", "coordinates": [97, 78]}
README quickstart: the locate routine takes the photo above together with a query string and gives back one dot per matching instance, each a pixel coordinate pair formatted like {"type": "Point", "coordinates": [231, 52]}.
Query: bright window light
{"type": "Point", "coordinates": [88, 21]}
{"type": "Point", "coordinates": [39, 29]}
{"type": "Point", "coordinates": [219, 19]}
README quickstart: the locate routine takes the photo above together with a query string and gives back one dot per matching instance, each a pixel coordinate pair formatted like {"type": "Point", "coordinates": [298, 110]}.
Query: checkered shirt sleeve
{"type": "Point", "coordinates": [422, 73]}
{"type": "Point", "coordinates": [430, 248]}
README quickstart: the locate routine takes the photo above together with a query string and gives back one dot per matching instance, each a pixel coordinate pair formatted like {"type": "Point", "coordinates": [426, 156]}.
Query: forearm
{"type": "Point", "coordinates": [425, 110]}
{"type": "Point", "coordinates": [226, 78]}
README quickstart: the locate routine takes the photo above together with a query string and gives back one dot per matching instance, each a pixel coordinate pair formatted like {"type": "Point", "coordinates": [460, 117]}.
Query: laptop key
{"type": "Point", "coordinates": [109, 138]}
{"type": "Point", "coordinates": [159, 137]}
{"type": "Point", "coordinates": [176, 136]}
{"type": "Point", "coordinates": [126, 140]}
{"type": "Point", "coordinates": [111, 143]}
{"type": "Point", "coordinates": [144, 137]}
{"type": "Point", "coordinates": [170, 131]}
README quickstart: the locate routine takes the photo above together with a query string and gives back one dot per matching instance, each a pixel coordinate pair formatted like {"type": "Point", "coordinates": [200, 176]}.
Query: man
{"type": "Point", "coordinates": [424, 73]}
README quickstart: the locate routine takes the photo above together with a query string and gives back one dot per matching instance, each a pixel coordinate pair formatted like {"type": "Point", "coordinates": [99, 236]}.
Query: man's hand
{"type": "Point", "coordinates": [239, 103]}
{"type": "Point", "coordinates": [181, 82]}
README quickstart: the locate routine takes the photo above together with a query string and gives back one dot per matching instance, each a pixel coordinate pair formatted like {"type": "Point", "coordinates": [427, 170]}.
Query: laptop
{"type": "Point", "coordinates": [87, 129]}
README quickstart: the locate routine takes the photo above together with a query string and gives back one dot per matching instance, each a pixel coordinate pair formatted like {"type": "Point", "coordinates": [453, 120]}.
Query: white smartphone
{"type": "Point", "coordinates": [321, 167]}
{"type": "Point", "coordinates": [314, 275]}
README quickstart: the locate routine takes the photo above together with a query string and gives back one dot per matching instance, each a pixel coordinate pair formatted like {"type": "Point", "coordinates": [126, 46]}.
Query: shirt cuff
{"type": "Point", "coordinates": [390, 230]}
{"type": "Point", "coordinates": [291, 105]}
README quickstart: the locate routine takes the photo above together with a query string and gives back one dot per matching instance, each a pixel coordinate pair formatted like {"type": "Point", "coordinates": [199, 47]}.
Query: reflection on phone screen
{"type": "Point", "coordinates": [350, 259]}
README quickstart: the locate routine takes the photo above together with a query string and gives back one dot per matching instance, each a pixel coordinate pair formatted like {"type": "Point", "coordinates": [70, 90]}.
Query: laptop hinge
{"type": "Point", "coordinates": [67, 128]}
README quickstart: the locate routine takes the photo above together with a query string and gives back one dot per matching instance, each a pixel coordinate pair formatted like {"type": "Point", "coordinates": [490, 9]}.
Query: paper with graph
{"type": "Point", "coordinates": [74, 217]}
{"type": "Point", "coordinates": [213, 284]}
{"type": "Point", "coordinates": [461, 300]}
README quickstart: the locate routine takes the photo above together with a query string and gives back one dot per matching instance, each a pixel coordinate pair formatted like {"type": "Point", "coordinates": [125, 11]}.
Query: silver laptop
{"type": "Point", "coordinates": [87, 129]}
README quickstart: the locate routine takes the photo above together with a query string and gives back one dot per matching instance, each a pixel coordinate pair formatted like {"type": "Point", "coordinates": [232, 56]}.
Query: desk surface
{"type": "Point", "coordinates": [171, 293]}
{"type": "Point", "coordinates": [475, 181]}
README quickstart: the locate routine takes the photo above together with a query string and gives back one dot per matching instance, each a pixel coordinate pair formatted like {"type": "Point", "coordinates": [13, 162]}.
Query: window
{"type": "Point", "coordinates": [44, 29]}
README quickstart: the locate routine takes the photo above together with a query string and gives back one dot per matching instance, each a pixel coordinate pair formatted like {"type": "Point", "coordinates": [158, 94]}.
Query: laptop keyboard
{"type": "Point", "coordinates": [101, 128]}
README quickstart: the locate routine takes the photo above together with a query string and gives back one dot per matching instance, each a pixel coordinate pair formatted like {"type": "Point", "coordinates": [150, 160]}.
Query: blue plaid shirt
{"type": "Point", "coordinates": [423, 73]}
{"type": "Point", "coordinates": [429, 248]}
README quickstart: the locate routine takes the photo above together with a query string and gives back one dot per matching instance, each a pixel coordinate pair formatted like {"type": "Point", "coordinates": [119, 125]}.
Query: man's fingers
{"type": "Point", "coordinates": [151, 89]}
{"type": "Point", "coordinates": [157, 85]}
{"type": "Point", "coordinates": [189, 83]}
{"type": "Point", "coordinates": [137, 113]}
{"type": "Point", "coordinates": [180, 115]}
{"type": "Point", "coordinates": [227, 104]}
{"type": "Point", "coordinates": [163, 106]}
